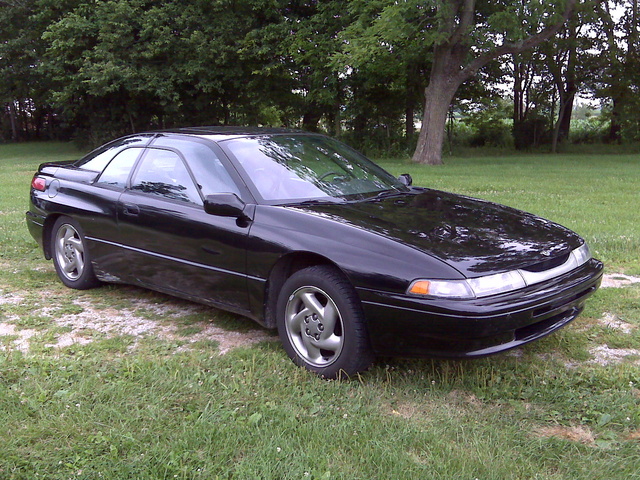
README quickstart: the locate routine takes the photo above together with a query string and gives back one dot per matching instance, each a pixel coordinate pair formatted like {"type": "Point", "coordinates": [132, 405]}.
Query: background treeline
{"type": "Point", "coordinates": [358, 69]}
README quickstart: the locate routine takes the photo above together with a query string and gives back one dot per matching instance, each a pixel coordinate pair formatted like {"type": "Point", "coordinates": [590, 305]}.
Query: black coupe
{"type": "Point", "coordinates": [300, 232]}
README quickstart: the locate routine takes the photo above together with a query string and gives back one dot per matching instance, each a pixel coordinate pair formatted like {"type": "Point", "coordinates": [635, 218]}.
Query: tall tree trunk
{"type": "Point", "coordinates": [563, 124]}
{"type": "Point", "coordinates": [409, 126]}
{"type": "Point", "coordinates": [434, 120]}
{"type": "Point", "coordinates": [12, 120]}
{"type": "Point", "coordinates": [566, 88]}
{"type": "Point", "coordinates": [616, 86]}
{"type": "Point", "coordinates": [444, 80]}
{"type": "Point", "coordinates": [409, 111]}
{"type": "Point", "coordinates": [310, 119]}
{"type": "Point", "coordinates": [615, 128]}
{"type": "Point", "coordinates": [565, 121]}
{"type": "Point", "coordinates": [517, 89]}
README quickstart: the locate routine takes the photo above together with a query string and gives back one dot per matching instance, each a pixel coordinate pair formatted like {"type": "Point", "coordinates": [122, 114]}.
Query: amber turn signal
{"type": "Point", "coordinates": [420, 287]}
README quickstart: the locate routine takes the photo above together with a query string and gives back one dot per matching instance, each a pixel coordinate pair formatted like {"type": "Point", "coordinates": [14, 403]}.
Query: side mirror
{"type": "Point", "coordinates": [405, 179]}
{"type": "Point", "coordinates": [224, 205]}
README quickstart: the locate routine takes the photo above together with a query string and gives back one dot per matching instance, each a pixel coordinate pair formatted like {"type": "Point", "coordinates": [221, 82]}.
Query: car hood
{"type": "Point", "coordinates": [474, 236]}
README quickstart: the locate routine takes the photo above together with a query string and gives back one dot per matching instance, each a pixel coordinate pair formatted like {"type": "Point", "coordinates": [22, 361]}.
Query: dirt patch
{"type": "Point", "coordinates": [10, 299]}
{"type": "Point", "coordinates": [603, 355]}
{"type": "Point", "coordinates": [22, 342]}
{"type": "Point", "coordinates": [228, 340]}
{"type": "Point", "coordinates": [617, 280]}
{"type": "Point", "coordinates": [578, 434]}
{"type": "Point", "coordinates": [405, 410]}
{"type": "Point", "coordinates": [460, 397]}
{"type": "Point", "coordinates": [111, 322]}
{"type": "Point", "coordinates": [633, 435]}
{"type": "Point", "coordinates": [610, 320]}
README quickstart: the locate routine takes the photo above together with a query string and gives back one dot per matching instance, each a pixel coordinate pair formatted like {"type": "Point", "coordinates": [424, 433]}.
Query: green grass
{"type": "Point", "coordinates": [144, 407]}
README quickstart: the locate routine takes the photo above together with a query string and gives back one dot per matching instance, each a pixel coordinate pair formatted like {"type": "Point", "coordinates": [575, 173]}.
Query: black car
{"type": "Point", "coordinates": [300, 232]}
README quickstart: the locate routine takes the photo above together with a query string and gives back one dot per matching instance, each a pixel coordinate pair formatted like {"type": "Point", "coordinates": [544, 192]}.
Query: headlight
{"type": "Point", "coordinates": [494, 284]}
{"type": "Point", "coordinates": [442, 288]}
{"type": "Point", "coordinates": [582, 254]}
{"type": "Point", "coordinates": [499, 283]}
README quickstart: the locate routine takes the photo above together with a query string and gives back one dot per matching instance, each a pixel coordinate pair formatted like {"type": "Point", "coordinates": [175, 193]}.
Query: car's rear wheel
{"type": "Point", "coordinates": [321, 324]}
{"type": "Point", "coordinates": [71, 256]}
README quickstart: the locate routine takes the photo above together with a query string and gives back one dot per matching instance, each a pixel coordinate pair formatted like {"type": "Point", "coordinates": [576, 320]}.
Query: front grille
{"type": "Point", "coordinates": [548, 325]}
{"type": "Point", "coordinates": [553, 306]}
{"type": "Point", "coordinates": [548, 264]}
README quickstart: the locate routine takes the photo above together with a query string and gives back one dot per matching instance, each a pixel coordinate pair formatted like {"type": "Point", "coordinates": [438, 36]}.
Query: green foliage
{"type": "Point", "coordinates": [589, 130]}
{"type": "Point", "coordinates": [98, 69]}
{"type": "Point", "coordinates": [531, 132]}
{"type": "Point", "coordinates": [133, 64]}
{"type": "Point", "coordinates": [491, 125]}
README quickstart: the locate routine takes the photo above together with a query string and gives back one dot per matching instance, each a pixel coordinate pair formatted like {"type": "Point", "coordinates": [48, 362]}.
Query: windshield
{"type": "Point", "coordinates": [290, 168]}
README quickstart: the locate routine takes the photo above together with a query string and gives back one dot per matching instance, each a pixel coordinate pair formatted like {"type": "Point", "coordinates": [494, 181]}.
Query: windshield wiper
{"type": "Point", "coordinates": [386, 194]}
{"type": "Point", "coordinates": [314, 202]}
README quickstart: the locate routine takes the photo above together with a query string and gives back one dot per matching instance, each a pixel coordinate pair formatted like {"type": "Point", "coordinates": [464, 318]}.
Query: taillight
{"type": "Point", "coordinates": [39, 183]}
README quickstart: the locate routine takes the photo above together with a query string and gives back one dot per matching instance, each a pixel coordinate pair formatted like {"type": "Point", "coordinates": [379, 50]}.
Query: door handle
{"type": "Point", "coordinates": [131, 209]}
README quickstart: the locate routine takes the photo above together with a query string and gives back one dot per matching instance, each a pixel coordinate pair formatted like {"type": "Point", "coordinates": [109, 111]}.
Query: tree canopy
{"type": "Point", "coordinates": [385, 75]}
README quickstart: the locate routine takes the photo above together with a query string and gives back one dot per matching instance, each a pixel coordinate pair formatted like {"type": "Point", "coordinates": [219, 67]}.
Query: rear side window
{"type": "Point", "coordinates": [163, 173]}
{"type": "Point", "coordinates": [118, 170]}
{"type": "Point", "coordinates": [99, 158]}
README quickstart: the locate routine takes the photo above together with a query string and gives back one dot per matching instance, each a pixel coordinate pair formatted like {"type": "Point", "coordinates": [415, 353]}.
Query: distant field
{"type": "Point", "coordinates": [122, 383]}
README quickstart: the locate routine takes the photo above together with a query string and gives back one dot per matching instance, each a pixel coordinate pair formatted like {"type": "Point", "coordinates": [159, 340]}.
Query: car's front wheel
{"type": "Point", "coordinates": [321, 324]}
{"type": "Point", "coordinates": [70, 255]}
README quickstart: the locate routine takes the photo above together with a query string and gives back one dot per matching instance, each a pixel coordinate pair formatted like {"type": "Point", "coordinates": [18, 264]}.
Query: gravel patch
{"type": "Point", "coordinates": [111, 322]}
{"type": "Point", "coordinates": [22, 342]}
{"type": "Point", "coordinates": [618, 280]}
{"type": "Point", "coordinates": [10, 299]}
{"type": "Point", "coordinates": [610, 320]}
{"type": "Point", "coordinates": [603, 355]}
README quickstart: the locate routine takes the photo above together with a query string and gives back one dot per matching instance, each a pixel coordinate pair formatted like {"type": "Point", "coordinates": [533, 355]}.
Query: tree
{"type": "Point", "coordinates": [23, 89]}
{"type": "Point", "coordinates": [464, 36]}
{"type": "Point", "coordinates": [294, 52]}
{"type": "Point", "coordinates": [386, 77]}
{"type": "Point", "coordinates": [121, 66]}
{"type": "Point", "coordinates": [615, 66]}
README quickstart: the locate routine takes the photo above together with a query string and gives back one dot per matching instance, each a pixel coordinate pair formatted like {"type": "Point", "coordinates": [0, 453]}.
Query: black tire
{"type": "Point", "coordinates": [321, 323]}
{"type": "Point", "coordinates": [71, 256]}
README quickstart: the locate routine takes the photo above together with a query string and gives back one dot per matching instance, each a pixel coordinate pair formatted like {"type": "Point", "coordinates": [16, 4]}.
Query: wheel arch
{"type": "Point", "coordinates": [47, 231]}
{"type": "Point", "coordinates": [281, 271]}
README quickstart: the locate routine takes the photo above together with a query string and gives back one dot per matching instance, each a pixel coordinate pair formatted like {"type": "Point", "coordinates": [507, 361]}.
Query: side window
{"type": "Point", "coordinates": [118, 170]}
{"type": "Point", "coordinates": [99, 158]}
{"type": "Point", "coordinates": [208, 170]}
{"type": "Point", "coordinates": [164, 174]}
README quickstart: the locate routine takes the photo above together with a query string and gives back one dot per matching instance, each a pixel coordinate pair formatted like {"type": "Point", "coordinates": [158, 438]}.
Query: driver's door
{"type": "Point", "coordinates": [174, 245]}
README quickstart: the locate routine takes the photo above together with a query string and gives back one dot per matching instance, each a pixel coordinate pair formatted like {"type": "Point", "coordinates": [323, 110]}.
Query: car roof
{"type": "Point", "coordinates": [224, 133]}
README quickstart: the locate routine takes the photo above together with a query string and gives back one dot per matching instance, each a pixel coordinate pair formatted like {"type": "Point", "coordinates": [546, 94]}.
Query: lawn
{"type": "Point", "coordinates": [178, 397]}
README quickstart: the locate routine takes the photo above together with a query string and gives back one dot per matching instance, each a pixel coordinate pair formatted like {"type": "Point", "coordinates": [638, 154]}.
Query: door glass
{"type": "Point", "coordinates": [210, 173]}
{"type": "Point", "coordinates": [163, 173]}
{"type": "Point", "coordinates": [118, 170]}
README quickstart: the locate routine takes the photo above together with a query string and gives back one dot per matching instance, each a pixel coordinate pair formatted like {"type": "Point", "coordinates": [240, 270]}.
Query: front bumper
{"type": "Point", "coordinates": [401, 325]}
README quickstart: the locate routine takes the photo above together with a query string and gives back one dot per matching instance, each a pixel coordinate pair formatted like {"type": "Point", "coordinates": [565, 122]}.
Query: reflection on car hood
{"type": "Point", "coordinates": [474, 236]}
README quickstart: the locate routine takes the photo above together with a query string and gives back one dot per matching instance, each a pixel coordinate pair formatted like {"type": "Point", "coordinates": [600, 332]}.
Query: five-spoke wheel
{"type": "Point", "coordinates": [314, 326]}
{"type": "Point", "coordinates": [70, 255]}
{"type": "Point", "coordinates": [321, 324]}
